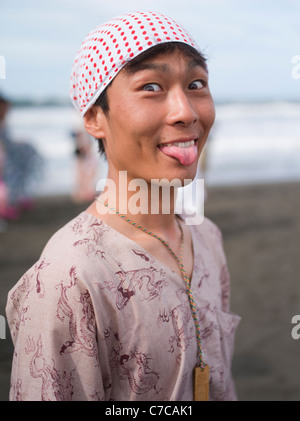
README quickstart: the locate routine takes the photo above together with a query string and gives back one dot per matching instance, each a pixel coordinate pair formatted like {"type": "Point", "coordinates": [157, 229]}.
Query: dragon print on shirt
{"type": "Point", "coordinates": [56, 385]}
{"type": "Point", "coordinates": [29, 282]}
{"type": "Point", "coordinates": [134, 367]}
{"type": "Point", "coordinates": [181, 318]}
{"type": "Point", "coordinates": [92, 235]}
{"type": "Point", "coordinates": [147, 282]}
{"type": "Point", "coordinates": [81, 321]}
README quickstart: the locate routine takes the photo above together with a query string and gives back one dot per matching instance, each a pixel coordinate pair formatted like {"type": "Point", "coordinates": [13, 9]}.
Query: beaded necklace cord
{"type": "Point", "coordinates": [186, 279]}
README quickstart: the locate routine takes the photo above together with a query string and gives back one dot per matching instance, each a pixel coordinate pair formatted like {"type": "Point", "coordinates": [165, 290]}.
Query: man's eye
{"type": "Point", "coordinates": [151, 87]}
{"type": "Point", "coordinates": [197, 84]}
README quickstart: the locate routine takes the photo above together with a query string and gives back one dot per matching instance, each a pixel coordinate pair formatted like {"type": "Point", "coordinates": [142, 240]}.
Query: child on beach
{"type": "Point", "coordinates": [128, 302]}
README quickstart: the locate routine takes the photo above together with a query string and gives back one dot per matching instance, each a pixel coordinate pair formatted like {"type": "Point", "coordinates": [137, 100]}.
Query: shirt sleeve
{"type": "Point", "coordinates": [225, 283]}
{"type": "Point", "coordinates": [52, 322]}
{"type": "Point", "coordinates": [217, 244]}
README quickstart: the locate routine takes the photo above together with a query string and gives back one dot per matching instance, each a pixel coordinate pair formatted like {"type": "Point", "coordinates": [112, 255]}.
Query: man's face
{"type": "Point", "coordinates": [160, 115]}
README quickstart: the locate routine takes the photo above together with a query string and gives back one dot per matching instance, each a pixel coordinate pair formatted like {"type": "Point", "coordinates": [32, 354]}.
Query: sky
{"type": "Point", "coordinates": [253, 46]}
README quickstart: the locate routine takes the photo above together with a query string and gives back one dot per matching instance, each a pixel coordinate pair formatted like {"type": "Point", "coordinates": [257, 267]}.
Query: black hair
{"type": "Point", "coordinates": [152, 52]}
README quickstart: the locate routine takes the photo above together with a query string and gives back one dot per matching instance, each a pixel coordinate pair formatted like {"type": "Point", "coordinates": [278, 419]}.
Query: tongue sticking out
{"type": "Point", "coordinates": [186, 156]}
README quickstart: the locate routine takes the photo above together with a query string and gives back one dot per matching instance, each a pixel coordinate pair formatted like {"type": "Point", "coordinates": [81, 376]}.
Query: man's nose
{"type": "Point", "coordinates": [181, 109]}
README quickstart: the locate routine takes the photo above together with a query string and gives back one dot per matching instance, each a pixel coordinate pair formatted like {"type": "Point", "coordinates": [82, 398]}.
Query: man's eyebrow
{"type": "Point", "coordinates": [162, 67]}
{"type": "Point", "coordinates": [148, 66]}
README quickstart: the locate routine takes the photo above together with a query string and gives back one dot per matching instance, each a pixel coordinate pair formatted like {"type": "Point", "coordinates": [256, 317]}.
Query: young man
{"type": "Point", "coordinates": [127, 301]}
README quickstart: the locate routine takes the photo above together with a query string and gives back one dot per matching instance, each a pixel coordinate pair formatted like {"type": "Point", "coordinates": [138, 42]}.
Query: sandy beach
{"type": "Point", "coordinates": [261, 231]}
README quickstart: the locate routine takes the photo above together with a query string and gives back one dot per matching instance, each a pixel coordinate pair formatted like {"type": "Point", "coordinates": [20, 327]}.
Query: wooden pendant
{"type": "Point", "coordinates": [201, 384]}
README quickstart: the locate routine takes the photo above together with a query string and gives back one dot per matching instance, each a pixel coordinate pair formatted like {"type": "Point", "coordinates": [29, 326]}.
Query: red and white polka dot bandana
{"type": "Point", "coordinates": [107, 49]}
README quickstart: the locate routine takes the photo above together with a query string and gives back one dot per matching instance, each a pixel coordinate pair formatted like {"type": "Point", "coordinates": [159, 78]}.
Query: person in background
{"type": "Point", "coordinates": [3, 193]}
{"type": "Point", "coordinates": [21, 165]}
{"type": "Point", "coordinates": [85, 168]}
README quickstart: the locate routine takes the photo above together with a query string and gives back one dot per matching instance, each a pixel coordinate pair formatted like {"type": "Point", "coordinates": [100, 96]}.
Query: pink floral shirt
{"type": "Point", "coordinates": [99, 318]}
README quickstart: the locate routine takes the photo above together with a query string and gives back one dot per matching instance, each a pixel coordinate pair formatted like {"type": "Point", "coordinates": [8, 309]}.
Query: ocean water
{"type": "Point", "coordinates": [255, 143]}
{"type": "Point", "coordinates": [250, 143]}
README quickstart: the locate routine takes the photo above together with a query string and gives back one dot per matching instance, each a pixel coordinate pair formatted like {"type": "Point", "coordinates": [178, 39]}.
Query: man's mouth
{"type": "Point", "coordinates": [180, 144]}
{"type": "Point", "coordinates": [184, 151]}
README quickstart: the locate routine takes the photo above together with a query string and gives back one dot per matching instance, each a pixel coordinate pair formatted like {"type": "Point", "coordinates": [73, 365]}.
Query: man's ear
{"type": "Point", "coordinates": [95, 122]}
